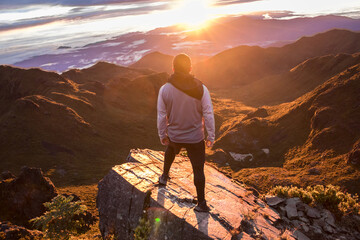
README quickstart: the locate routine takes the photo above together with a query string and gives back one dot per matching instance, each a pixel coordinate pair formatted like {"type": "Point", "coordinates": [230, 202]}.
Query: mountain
{"type": "Point", "coordinates": [104, 72]}
{"type": "Point", "coordinates": [255, 30]}
{"type": "Point", "coordinates": [292, 84]}
{"type": "Point", "coordinates": [75, 126]}
{"type": "Point", "coordinates": [305, 142]}
{"type": "Point", "coordinates": [254, 63]}
{"type": "Point", "coordinates": [156, 61]}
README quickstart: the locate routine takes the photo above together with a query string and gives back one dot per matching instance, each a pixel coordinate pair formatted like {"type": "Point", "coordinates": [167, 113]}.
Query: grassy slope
{"type": "Point", "coordinates": [74, 131]}
{"type": "Point", "coordinates": [316, 131]}
{"type": "Point", "coordinates": [292, 84]}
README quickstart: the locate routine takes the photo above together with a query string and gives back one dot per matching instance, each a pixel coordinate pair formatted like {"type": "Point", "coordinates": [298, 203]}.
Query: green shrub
{"type": "Point", "coordinates": [331, 197]}
{"type": "Point", "coordinates": [62, 218]}
{"type": "Point", "coordinates": [142, 231]}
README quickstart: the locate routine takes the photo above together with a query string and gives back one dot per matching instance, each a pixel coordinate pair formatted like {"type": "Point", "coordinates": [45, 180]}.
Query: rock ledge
{"type": "Point", "coordinates": [235, 212]}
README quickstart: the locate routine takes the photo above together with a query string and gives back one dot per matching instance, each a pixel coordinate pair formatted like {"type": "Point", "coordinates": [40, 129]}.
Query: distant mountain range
{"type": "Point", "coordinates": [222, 34]}
{"type": "Point", "coordinates": [250, 64]}
{"type": "Point", "coordinates": [155, 61]}
{"type": "Point", "coordinates": [269, 75]}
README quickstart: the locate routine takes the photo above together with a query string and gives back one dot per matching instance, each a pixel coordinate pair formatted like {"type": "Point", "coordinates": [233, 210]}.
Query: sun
{"type": "Point", "coordinates": [193, 14]}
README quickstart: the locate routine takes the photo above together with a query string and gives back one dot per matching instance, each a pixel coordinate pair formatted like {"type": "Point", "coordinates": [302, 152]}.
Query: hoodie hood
{"type": "Point", "coordinates": [188, 84]}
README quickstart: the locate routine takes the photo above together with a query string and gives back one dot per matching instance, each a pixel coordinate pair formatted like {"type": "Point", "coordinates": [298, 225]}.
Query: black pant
{"type": "Point", "coordinates": [196, 153]}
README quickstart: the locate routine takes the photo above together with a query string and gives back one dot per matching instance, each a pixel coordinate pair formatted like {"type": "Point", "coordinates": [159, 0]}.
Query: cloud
{"type": "Point", "coordinates": [228, 2]}
{"type": "Point", "coordinates": [275, 15]}
{"type": "Point", "coordinates": [40, 15]}
{"type": "Point", "coordinates": [22, 3]}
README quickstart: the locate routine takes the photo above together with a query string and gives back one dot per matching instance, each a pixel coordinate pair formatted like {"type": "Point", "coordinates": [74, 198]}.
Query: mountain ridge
{"type": "Point", "coordinates": [305, 138]}
{"type": "Point", "coordinates": [254, 63]}
{"type": "Point", "coordinates": [288, 86]}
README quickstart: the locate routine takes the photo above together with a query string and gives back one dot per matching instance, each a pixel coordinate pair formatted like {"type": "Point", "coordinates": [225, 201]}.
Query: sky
{"type": "Point", "coordinates": [30, 27]}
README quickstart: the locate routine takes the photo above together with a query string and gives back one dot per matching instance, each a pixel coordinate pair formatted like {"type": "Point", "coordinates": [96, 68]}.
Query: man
{"type": "Point", "coordinates": [184, 105]}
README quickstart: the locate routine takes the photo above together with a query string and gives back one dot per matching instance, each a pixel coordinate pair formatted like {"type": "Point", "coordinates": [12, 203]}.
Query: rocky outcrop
{"type": "Point", "coordinates": [6, 175]}
{"type": "Point", "coordinates": [22, 197]}
{"type": "Point", "coordinates": [130, 191]}
{"type": "Point", "coordinates": [354, 155]}
{"type": "Point", "coordinates": [9, 231]}
{"type": "Point", "coordinates": [313, 222]}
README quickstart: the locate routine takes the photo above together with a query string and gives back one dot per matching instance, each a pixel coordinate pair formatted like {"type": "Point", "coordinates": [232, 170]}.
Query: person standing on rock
{"type": "Point", "coordinates": [184, 107]}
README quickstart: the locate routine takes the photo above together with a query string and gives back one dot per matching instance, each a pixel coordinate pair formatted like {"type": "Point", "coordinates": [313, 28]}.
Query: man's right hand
{"type": "Point", "coordinates": [165, 141]}
{"type": "Point", "coordinates": [209, 143]}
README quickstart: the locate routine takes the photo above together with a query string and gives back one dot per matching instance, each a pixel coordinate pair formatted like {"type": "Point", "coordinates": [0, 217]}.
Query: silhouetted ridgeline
{"type": "Point", "coordinates": [246, 64]}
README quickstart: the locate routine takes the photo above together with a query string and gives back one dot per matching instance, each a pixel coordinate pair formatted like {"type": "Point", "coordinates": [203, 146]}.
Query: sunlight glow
{"type": "Point", "coordinates": [193, 14]}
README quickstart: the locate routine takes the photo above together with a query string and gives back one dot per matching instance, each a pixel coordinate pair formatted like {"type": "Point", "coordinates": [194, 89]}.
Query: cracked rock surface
{"type": "Point", "coordinates": [235, 212]}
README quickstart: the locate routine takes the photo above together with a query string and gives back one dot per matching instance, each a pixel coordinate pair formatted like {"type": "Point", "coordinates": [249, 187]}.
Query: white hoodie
{"type": "Point", "coordinates": [182, 117]}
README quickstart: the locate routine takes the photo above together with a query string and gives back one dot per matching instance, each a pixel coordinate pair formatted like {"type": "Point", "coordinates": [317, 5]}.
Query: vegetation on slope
{"type": "Point", "coordinates": [308, 141]}
{"type": "Point", "coordinates": [74, 129]}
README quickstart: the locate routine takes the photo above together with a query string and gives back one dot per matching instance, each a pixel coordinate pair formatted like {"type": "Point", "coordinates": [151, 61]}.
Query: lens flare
{"type": "Point", "coordinates": [193, 14]}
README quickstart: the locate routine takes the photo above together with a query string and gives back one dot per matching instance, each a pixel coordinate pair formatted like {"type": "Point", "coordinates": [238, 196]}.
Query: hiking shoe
{"type": "Point", "coordinates": [163, 179]}
{"type": "Point", "coordinates": [202, 207]}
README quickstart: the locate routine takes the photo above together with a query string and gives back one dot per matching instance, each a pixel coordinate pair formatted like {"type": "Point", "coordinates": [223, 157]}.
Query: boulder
{"type": "Point", "coordinates": [22, 197]}
{"type": "Point", "coordinates": [329, 229]}
{"type": "Point", "coordinates": [312, 212]}
{"type": "Point", "coordinates": [9, 231]}
{"type": "Point", "coordinates": [6, 175]}
{"type": "Point", "coordinates": [219, 156]}
{"type": "Point", "coordinates": [301, 213]}
{"type": "Point", "coordinates": [328, 217]}
{"type": "Point", "coordinates": [291, 210]}
{"type": "Point", "coordinates": [296, 223]}
{"type": "Point", "coordinates": [305, 227]}
{"type": "Point", "coordinates": [273, 200]}
{"type": "Point", "coordinates": [354, 155]}
{"type": "Point", "coordinates": [304, 219]}
{"type": "Point", "coordinates": [316, 230]}
{"type": "Point", "coordinates": [130, 192]}
{"type": "Point", "coordinates": [300, 236]}
{"type": "Point", "coordinates": [314, 171]}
